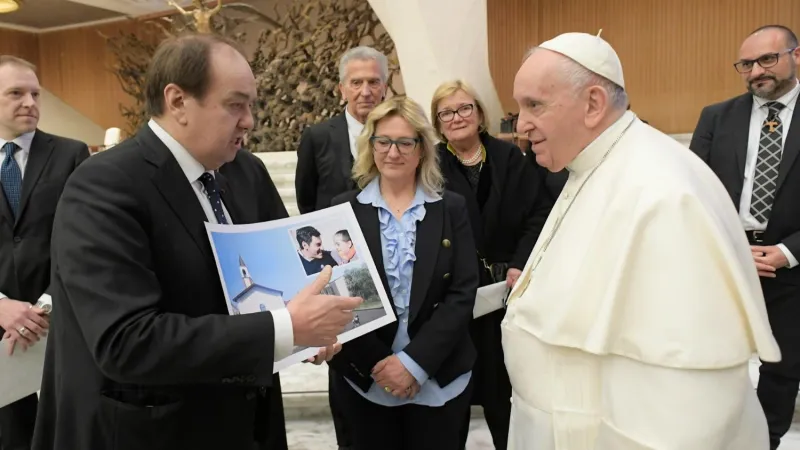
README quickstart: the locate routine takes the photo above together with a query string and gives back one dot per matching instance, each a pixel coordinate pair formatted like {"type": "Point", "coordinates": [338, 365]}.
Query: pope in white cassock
{"type": "Point", "coordinates": [633, 322]}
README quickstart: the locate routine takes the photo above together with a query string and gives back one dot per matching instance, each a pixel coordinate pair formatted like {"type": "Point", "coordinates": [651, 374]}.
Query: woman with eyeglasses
{"type": "Point", "coordinates": [406, 386]}
{"type": "Point", "coordinates": [508, 204]}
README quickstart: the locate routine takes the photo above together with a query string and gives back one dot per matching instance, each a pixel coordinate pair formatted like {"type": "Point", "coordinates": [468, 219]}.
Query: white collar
{"type": "Point", "coordinates": [23, 141]}
{"type": "Point", "coordinates": [591, 155]}
{"type": "Point", "coordinates": [190, 166]}
{"type": "Point", "coordinates": [789, 99]}
{"type": "Point", "coordinates": [352, 123]}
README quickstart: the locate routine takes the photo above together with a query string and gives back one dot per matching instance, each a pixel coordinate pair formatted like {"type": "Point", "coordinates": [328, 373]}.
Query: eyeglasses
{"type": "Point", "coordinates": [448, 114]}
{"type": "Point", "coordinates": [765, 61]}
{"type": "Point", "coordinates": [381, 144]}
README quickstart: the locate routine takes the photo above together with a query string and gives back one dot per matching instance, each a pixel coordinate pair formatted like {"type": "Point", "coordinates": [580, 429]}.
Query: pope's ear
{"type": "Point", "coordinates": [598, 105]}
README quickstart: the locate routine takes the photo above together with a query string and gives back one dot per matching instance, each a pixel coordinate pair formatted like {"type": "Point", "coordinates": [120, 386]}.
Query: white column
{"type": "Point", "coordinates": [438, 41]}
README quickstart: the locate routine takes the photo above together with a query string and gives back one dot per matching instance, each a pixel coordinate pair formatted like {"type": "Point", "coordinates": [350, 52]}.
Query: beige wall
{"type": "Point", "coordinates": [433, 49]}
{"type": "Point", "coordinates": [59, 118]}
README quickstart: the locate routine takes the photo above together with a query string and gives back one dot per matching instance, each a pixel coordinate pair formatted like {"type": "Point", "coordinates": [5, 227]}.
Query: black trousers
{"type": "Point", "coordinates": [407, 427]}
{"type": "Point", "coordinates": [16, 423]}
{"type": "Point", "coordinates": [339, 425]}
{"type": "Point", "coordinates": [778, 382]}
{"type": "Point", "coordinates": [492, 387]}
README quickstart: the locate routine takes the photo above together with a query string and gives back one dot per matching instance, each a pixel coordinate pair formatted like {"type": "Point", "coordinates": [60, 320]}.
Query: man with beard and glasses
{"type": "Point", "coordinates": [751, 142]}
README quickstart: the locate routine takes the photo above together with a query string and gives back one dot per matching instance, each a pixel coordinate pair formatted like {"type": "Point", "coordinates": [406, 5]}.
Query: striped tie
{"type": "Point", "coordinates": [11, 177]}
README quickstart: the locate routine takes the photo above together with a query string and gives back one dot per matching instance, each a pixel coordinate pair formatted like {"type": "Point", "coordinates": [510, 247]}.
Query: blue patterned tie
{"type": "Point", "coordinates": [11, 177]}
{"type": "Point", "coordinates": [212, 191]}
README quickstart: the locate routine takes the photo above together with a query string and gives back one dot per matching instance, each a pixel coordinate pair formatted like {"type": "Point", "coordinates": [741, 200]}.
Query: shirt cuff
{"type": "Point", "coordinates": [792, 260]}
{"type": "Point", "coordinates": [418, 372]}
{"type": "Point", "coordinates": [2, 296]}
{"type": "Point", "coordinates": [284, 333]}
{"type": "Point", "coordinates": [45, 298]}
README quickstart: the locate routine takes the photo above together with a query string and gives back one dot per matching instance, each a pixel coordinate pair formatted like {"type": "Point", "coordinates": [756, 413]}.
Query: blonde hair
{"type": "Point", "coordinates": [447, 89]}
{"type": "Point", "coordinates": [429, 175]}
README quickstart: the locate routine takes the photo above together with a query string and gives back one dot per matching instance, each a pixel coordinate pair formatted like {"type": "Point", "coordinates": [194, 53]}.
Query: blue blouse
{"type": "Point", "coordinates": [398, 238]}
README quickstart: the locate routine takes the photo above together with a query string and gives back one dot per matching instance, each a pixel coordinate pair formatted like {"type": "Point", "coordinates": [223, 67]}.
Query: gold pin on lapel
{"type": "Point", "coordinates": [446, 243]}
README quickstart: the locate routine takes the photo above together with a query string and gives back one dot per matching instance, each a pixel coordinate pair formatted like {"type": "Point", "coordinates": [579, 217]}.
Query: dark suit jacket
{"type": "Point", "coordinates": [25, 244]}
{"type": "Point", "coordinates": [720, 139]}
{"type": "Point", "coordinates": [442, 295]}
{"type": "Point", "coordinates": [516, 206]}
{"type": "Point", "coordinates": [324, 164]}
{"type": "Point", "coordinates": [142, 353]}
{"type": "Point", "coordinates": [506, 216]}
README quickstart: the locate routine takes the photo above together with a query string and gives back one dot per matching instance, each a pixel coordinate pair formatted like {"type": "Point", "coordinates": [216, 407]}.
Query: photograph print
{"type": "Point", "coordinates": [262, 266]}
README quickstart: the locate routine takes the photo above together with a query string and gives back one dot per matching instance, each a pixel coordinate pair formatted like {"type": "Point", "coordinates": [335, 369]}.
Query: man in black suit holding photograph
{"type": "Point", "coordinates": [35, 165]}
{"type": "Point", "coordinates": [142, 353]}
{"type": "Point", "coordinates": [752, 142]}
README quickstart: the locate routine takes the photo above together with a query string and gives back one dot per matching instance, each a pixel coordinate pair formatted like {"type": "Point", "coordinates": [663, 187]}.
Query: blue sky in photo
{"type": "Point", "coordinates": [271, 257]}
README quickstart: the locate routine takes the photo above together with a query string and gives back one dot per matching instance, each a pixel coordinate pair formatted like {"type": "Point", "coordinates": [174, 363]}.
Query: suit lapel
{"type": "Point", "coordinates": [741, 134]}
{"type": "Point", "coordinates": [429, 235]}
{"type": "Point", "coordinates": [340, 140]}
{"type": "Point", "coordinates": [499, 171]}
{"type": "Point", "coordinates": [457, 182]}
{"type": "Point", "coordinates": [5, 210]}
{"type": "Point", "coordinates": [173, 185]}
{"type": "Point", "coordinates": [790, 149]}
{"type": "Point", "coordinates": [367, 217]}
{"type": "Point", "coordinates": [228, 199]}
{"type": "Point", "coordinates": [41, 149]}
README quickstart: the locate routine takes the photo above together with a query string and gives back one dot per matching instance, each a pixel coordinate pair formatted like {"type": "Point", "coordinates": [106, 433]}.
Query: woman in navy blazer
{"type": "Point", "coordinates": [407, 385]}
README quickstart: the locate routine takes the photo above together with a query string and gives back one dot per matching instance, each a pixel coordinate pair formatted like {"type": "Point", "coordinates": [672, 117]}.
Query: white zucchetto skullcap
{"type": "Point", "coordinates": [591, 52]}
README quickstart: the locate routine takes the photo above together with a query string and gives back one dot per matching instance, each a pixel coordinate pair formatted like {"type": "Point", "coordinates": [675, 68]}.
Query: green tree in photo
{"type": "Point", "coordinates": [359, 283]}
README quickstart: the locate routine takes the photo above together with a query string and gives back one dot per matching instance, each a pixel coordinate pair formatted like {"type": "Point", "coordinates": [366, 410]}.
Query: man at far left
{"type": "Point", "coordinates": [34, 166]}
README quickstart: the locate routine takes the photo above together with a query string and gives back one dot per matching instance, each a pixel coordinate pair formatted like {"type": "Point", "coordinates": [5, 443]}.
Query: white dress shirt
{"type": "Point", "coordinates": [24, 143]}
{"type": "Point", "coordinates": [284, 334]}
{"type": "Point", "coordinates": [354, 129]}
{"type": "Point", "coordinates": [757, 118]}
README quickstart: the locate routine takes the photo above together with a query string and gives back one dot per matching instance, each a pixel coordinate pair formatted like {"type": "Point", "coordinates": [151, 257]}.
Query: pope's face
{"type": "Point", "coordinates": [551, 114]}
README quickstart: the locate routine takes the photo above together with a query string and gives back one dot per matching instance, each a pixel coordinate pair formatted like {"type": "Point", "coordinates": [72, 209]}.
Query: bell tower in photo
{"type": "Point", "coordinates": [246, 278]}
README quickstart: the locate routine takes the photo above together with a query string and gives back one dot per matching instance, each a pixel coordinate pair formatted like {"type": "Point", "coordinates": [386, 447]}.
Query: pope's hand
{"type": "Point", "coordinates": [768, 259]}
{"type": "Point", "coordinates": [318, 319]}
{"type": "Point", "coordinates": [393, 377]}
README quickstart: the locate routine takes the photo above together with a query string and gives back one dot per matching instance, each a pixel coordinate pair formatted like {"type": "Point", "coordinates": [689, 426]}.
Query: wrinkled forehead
{"type": "Point", "coordinates": [539, 77]}
{"type": "Point", "coordinates": [362, 70]}
{"type": "Point", "coordinates": [762, 42]}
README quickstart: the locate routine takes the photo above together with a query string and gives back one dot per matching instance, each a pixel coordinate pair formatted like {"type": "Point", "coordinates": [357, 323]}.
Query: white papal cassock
{"type": "Point", "coordinates": [635, 328]}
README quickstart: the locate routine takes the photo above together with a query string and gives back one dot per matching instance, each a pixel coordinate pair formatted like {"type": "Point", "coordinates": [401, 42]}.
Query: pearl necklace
{"type": "Point", "coordinates": [473, 159]}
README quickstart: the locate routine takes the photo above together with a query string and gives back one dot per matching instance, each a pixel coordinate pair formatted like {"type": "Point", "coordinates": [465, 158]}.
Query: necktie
{"type": "Point", "coordinates": [11, 177]}
{"type": "Point", "coordinates": [212, 191]}
{"type": "Point", "coordinates": [770, 149]}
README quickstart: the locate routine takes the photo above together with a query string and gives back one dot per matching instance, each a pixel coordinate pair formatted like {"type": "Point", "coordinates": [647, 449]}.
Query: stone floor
{"type": "Point", "coordinates": [309, 426]}
{"type": "Point", "coordinates": [319, 435]}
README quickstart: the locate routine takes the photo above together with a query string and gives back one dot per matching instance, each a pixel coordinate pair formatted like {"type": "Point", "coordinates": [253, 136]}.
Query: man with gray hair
{"type": "Point", "coordinates": [634, 320]}
{"type": "Point", "coordinates": [327, 152]}
{"type": "Point", "coordinates": [327, 149]}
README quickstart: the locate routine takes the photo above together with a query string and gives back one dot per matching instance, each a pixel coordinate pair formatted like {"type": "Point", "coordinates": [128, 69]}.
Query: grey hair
{"type": "Point", "coordinates": [363, 53]}
{"type": "Point", "coordinates": [580, 77]}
